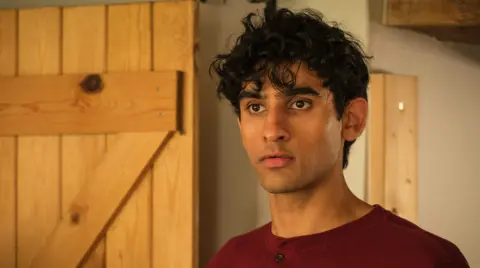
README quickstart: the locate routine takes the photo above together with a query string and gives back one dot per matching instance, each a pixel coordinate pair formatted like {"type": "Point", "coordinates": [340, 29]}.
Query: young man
{"type": "Point", "coordinates": [299, 88]}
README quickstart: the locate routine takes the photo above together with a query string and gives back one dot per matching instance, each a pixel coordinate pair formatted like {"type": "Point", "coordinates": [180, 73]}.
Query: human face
{"type": "Point", "coordinates": [293, 138]}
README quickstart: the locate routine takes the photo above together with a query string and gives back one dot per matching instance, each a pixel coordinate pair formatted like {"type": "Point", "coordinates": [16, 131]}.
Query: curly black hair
{"type": "Point", "coordinates": [270, 44]}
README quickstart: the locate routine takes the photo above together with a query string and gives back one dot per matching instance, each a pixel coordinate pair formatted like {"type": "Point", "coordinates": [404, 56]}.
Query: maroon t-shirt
{"type": "Point", "coordinates": [380, 239]}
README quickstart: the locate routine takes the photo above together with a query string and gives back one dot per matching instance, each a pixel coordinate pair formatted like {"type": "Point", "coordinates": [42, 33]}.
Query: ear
{"type": "Point", "coordinates": [355, 119]}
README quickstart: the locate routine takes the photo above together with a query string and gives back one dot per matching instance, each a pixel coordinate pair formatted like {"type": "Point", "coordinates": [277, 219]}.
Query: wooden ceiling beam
{"type": "Point", "coordinates": [446, 20]}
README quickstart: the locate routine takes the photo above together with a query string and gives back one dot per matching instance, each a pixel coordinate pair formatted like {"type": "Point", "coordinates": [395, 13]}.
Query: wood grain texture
{"type": "Point", "coordinates": [99, 199]}
{"type": "Point", "coordinates": [38, 168]}
{"type": "Point", "coordinates": [84, 51]}
{"type": "Point", "coordinates": [175, 171]}
{"type": "Point", "coordinates": [129, 49]}
{"type": "Point", "coordinates": [401, 145]}
{"type": "Point", "coordinates": [376, 141]}
{"type": "Point", "coordinates": [129, 102]}
{"type": "Point", "coordinates": [433, 12]}
{"type": "Point", "coordinates": [446, 20]}
{"type": "Point", "coordinates": [129, 38]}
{"type": "Point", "coordinates": [8, 42]}
{"type": "Point", "coordinates": [8, 154]}
{"type": "Point", "coordinates": [7, 201]}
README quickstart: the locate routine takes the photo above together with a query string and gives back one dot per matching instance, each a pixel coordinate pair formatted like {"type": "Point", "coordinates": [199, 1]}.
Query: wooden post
{"type": "Point", "coordinates": [393, 144]}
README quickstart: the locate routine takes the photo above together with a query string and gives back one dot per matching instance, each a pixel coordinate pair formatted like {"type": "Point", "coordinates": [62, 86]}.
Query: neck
{"type": "Point", "coordinates": [320, 208]}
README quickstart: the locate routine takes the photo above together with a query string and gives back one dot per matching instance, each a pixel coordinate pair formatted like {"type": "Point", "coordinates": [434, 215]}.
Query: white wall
{"type": "Point", "coordinates": [228, 184]}
{"type": "Point", "coordinates": [449, 110]}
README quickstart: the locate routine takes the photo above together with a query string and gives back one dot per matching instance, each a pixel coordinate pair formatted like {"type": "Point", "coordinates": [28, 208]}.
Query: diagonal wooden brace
{"type": "Point", "coordinates": [97, 202]}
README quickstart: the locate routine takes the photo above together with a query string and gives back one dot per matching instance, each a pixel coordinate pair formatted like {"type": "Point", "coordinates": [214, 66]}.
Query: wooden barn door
{"type": "Point", "coordinates": [99, 174]}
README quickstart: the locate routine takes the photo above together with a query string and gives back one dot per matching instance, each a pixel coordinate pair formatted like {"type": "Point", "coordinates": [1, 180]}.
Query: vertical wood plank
{"type": "Point", "coordinates": [7, 201]}
{"type": "Point", "coordinates": [175, 171]}
{"type": "Point", "coordinates": [376, 141]}
{"type": "Point", "coordinates": [129, 49]}
{"type": "Point", "coordinates": [38, 156]}
{"type": "Point", "coordinates": [8, 42]}
{"type": "Point", "coordinates": [401, 146]}
{"type": "Point", "coordinates": [83, 52]}
{"type": "Point", "coordinates": [8, 64]}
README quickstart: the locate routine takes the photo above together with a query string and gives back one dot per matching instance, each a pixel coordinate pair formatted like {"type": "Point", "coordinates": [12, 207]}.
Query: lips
{"type": "Point", "coordinates": [277, 160]}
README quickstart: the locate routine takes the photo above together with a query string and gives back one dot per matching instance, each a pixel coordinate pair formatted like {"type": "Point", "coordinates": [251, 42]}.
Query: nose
{"type": "Point", "coordinates": [276, 126]}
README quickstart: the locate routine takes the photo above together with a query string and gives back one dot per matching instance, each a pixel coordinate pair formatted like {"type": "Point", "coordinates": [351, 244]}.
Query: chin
{"type": "Point", "coordinates": [280, 185]}
{"type": "Point", "coordinates": [286, 182]}
{"type": "Point", "coordinates": [280, 190]}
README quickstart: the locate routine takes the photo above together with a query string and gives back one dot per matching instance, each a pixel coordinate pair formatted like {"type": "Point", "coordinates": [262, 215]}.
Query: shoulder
{"type": "Point", "coordinates": [409, 236]}
{"type": "Point", "coordinates": [239, 245]}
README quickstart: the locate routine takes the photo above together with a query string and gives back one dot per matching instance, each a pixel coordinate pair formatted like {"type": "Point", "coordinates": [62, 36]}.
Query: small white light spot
{"type": "Point", "coordinates": [401, 106]}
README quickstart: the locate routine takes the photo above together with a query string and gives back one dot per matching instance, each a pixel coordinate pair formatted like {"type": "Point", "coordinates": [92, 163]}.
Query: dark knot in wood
{"type": "Point", "coordinates": [75, 218]}
{"type": "Point", "coordinates": [92, 83]}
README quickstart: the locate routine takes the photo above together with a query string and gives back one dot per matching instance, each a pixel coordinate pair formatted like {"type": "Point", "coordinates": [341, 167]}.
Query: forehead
{"type": "Point", "coordinates": [302, 75]}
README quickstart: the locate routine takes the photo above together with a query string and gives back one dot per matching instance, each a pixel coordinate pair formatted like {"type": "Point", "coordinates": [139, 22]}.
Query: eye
{"type": "Point", "coordinates": [300, 104]}
{"type": "Point", "coordinates": [255, 108]}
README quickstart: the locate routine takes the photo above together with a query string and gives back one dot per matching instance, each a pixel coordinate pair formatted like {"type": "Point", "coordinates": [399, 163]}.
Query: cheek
{"type": "Point", "coordinates": [251, 135]}
{"type": "Point", "coordinates": [324, 138]}
{"type": "Point", "coordinates": [333, 136]}
{"type": "Point", "coordinates": [248, 131]}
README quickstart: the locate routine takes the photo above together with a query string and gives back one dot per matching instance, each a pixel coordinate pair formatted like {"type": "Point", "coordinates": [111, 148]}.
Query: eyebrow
{"type": "Point", "coordinates": [300, 91]}
{"type": "Point", "coordinates": [248, 94]}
